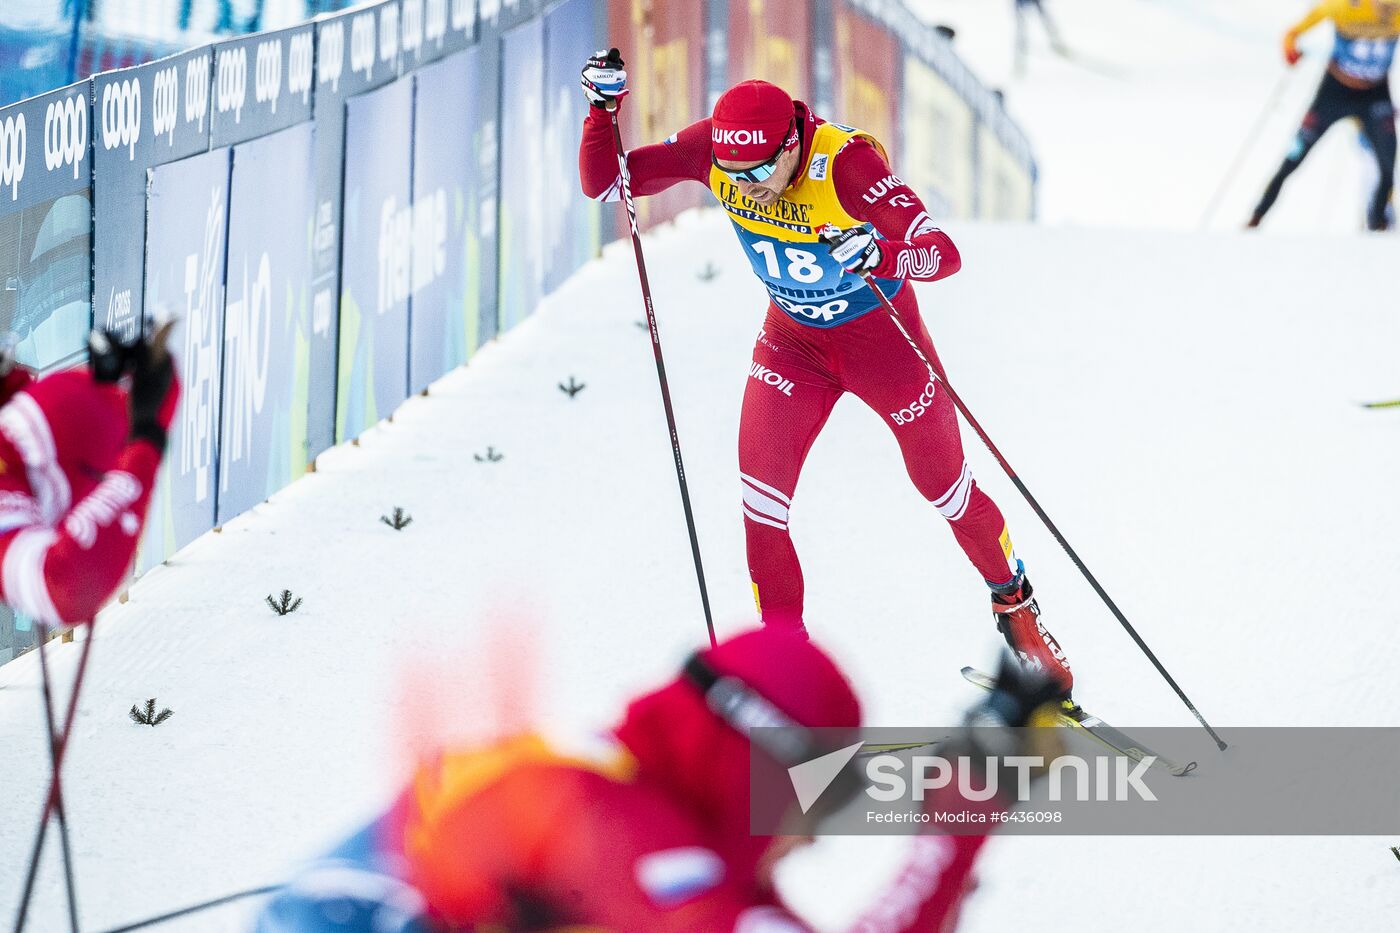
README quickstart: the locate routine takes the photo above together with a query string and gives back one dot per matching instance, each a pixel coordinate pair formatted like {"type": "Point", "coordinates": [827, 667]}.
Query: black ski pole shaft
{"type": "Point", "coordinates": [1042, 515]}
{"type": "Point", "coordinates": [1245, 147]}
{"type": "Point", "coordinates": [661, 373]}
{"type": "Point", "coordinates": [193, 909]}
{"type": "Point", "coordinates": [53, 801]}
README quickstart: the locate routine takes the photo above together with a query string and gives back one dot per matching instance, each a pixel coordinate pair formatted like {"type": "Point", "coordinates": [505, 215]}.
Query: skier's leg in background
{"type": "Point", "coordinates": [885, 372]}
{"type": "Point", "coordinates": [786, 403]}
{"type": "Point", "coordinates": [1378, 126]}
{"type": "Point", "coordinates": [1327, 108]}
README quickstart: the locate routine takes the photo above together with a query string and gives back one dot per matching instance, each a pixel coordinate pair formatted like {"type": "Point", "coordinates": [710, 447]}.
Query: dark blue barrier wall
{"type": "Point", "coordinates": [445, 310]}
{"type": "Point", "coordinates": [267, 319]}
{"type": "Point", "coordinates": [376, 258]}
{"type": "Point", "coordinates": [185, 250]}
{"type": "Point", "coordinates": [522, 227]}
{"type": "Point", "coordinates": [571, 230]}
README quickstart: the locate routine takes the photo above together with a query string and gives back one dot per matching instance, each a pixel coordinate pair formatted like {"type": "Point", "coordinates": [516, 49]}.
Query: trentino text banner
{"type": "Point", "coordinates": [267, 319]}
{"type": "Point", "coordinates": [145, 116]}
{"type": "Point", "coordinates": [376, 257]}
{"type": "Point", "coordinates": [185, 249]}
{"type": "Point", "coordinates": [572, 231]}
{"type": "Point", "coordinates": [523, 217]}
{"type": "Point", "coordinates": [444, 312]}
{"type": "Point", "coordinates": [770, 40]}
{"type": "Point", "coordinates": [662, 42]}
{"type": "Point", "coordinates": [46, 226]}
{"type": "Point", "coordinates": [356, 51]}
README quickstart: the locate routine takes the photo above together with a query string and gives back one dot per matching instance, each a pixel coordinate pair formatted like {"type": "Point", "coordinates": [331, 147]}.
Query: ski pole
{"type": "Point", "coordinates": [53, 801]}
{"type": "Point", "coordinates": [1274, 96]}
{"type": "Point", "coordinates": [661, 373]}
{"type": "Point", "coordinates": [1040, 512]}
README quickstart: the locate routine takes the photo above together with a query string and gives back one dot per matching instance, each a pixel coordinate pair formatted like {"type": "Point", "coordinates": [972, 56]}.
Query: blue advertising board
{"type": "Point", "coordinates": [267, 319]}
{"type": "Point", "coordinates": [145, 116]}
{"type": "Point", "coordinates": [445, 309]}
{"type": "Point", "coordinates": [522, 228]}
{"type": "Point", "coordinates": [375, 259]}
{"type": "Point", "coordinates": [571, 237]}
{"type": "Point", "coordinates": [187, 202]}
{"type": "Point", "coordinates": [46, 226]}
{"type": "Point", "coordinates": [356, 51]}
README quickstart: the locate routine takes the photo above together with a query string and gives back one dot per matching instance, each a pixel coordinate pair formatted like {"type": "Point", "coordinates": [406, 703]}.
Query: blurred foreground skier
{"type": "Point", "coordinates": [782, 175]}
{"type": "Point", "coordinates": [646, 827]}
{"type": "Point", "coordinates": [1357, 84]}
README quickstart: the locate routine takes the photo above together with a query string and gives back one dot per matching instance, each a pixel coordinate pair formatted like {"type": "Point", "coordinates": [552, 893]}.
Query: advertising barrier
{"type": "Point", "coordinates": [522, 227]}
{"type": "Point", "coordinates": [185, 250]}
{"type": "Point", "coordinates": [445, 309]}
{"type": "Point", "coordinates": [338, 213]}
{"type": "Point", "coordinates": [376, 258]}
{"type": "Point", "coordinates": [141, 117]}
{"type": "Point", "coordinates": [267, 319]}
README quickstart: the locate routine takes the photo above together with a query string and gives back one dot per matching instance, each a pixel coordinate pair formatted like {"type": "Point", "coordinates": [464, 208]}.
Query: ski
{"type": "Point", "coordinates": [1389, 403]}
{"type": "Point", "coordinates": [1077, 717]}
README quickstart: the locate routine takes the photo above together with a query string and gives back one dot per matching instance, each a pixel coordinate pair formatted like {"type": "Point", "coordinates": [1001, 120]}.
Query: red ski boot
{"type": "Point", "coordinates": [1018, 620]}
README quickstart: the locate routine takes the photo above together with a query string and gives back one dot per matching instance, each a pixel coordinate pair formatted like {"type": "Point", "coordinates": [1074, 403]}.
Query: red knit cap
{"type": "Point", "coordinates": [751, 120]}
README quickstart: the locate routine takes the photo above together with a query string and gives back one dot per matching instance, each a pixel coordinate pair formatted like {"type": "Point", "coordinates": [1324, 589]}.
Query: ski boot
{"type": "Point", "coordinates": [1018, 619]}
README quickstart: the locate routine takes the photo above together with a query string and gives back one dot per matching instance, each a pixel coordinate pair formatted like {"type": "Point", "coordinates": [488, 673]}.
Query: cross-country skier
{"type": "Point", "coordinates": [79, 451]}
{"type": "Point", "coordinates": [1357, 84]}
{"type": "Point", "coordinates": [782, 173]}
{"type": "Point", "coordinates": [646, 828]}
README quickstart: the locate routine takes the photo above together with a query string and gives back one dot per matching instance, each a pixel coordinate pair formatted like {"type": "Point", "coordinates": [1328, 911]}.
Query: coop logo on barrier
{"type": "Point", "coordinates": [121, 116]}
{"type": "Point", "coordinates": [14, 140]}
{"type": "Point", "coordinates": [388, 33]}
{"type": "Point", "coordinates": [435, 22]}
{"type": "Point", "coordinates": [362, 44]}
{"type": "Point", "coordinates": [202, 299]}
{"type": "Point", "coordinates": [66, 133]}
{"type": "Point", "coordinates": [231, 81]}
{"type": "Point", "coordinates": [267, 72]}
{"type": "Point", "coordinates": [330, 58]}
{"type": "Point", "coordinates": [299, 55]}
{"type": "Point", "coordinates": [197, 90]}
{"type": "Point", "coordinates": [413, 26]}
{"type": "Point", "coordinates": [165, 103]}
{"type": "Point", "coordinates": [249, 341]}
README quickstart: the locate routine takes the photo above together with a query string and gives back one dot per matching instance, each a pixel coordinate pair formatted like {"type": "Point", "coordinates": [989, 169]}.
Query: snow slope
{"type": "Point", "coordinates": [1144, 129]}
{"type": "Point", "coordinates": [1183, 406]}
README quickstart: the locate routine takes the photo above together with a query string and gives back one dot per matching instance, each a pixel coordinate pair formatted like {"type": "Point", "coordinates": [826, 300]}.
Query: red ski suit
{"type": "Point", "coordinates": [808, 354]}
{"type": "Point", "coordinates": [73, 494]}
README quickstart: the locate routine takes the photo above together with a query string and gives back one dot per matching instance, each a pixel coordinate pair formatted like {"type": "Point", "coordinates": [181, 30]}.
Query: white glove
{"type": "Point", "coordinates": [857, 248]}
{"type": "Point", "coordinates": [604, 81]}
